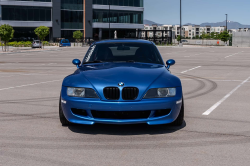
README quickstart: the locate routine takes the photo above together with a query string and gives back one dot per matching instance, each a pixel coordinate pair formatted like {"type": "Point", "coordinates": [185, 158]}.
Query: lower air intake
{"type": "Point", "coordinates": [121, 114]}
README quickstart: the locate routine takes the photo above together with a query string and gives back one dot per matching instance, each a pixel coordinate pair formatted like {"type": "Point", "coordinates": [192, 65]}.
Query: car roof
{"type": "Point", "coordinates": [124, 40]}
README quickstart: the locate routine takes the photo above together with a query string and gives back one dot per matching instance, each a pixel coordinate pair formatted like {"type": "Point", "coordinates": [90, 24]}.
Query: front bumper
{"type": "Point", "coordinates": [142, 105]}
{"type": "Point", "coordinates": [36, 46]}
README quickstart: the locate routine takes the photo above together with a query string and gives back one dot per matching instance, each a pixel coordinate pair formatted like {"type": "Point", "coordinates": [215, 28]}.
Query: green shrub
{"type": "Point", "coordinates": [20, 44]}
{"type": "Point", "coordinates": [14, 43]}
{"type": "Point", "coordinates": [27, 44]}
{"type": "Point", "coordinates": [45, 43]}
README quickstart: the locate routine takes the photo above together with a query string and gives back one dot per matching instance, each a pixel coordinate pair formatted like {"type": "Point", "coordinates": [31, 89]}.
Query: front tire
{"type": "Point", "coordinates": [63, 120]}
{"type": "Point", "coordinates": [180, 119]}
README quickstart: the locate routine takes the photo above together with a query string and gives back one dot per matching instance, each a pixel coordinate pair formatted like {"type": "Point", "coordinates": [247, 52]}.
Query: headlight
{"type": "Point", "coordinates": [160, 93]}
{"type": "Point", "coordinates": [81, 92]}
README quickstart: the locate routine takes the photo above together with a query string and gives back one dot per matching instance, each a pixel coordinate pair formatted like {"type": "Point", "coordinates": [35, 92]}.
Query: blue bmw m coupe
{"type": "Point", "coordinates": [122, 82]}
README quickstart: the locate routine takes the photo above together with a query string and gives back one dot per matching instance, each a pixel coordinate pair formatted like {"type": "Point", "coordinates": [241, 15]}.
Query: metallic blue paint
{"type": "Point", "coordinates": [170, 62]}
{"type": "Point", "coordinates": [76, 62]}
{"type": "Point", "coordinates": [124, 41]}
{"type": "Point", "coordinates": [144, 76]}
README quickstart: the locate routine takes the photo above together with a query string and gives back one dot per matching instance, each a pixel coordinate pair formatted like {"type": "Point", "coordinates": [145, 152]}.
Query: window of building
{"type": "Point", "coordinates": [118, 16]}
{"type": "Point", "coordinates": [134, 3]}
{"type": "Point", "coordinates": [71, 19]}
{"type": "Point", "coordinates": [26, 34]}
{"type": "Point", "coordinates": [35, 0]}
{"type": "Point", "coordinates": [26, 13]}
{"type": "Point", "coordinates": [72, 4]}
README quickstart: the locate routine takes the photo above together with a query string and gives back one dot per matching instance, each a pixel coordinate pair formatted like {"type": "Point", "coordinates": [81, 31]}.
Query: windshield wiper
{"type": "Point", "coordinates": [93, 62]}
{"type": "Point", "coordinates": [130, 61]}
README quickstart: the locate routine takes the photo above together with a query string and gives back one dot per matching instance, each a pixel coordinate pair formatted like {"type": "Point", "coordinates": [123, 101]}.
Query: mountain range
{"type": "Point", "coordinates": [230, 24]}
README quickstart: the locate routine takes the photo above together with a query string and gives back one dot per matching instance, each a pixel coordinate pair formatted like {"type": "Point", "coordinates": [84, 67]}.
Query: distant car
{"type": "Point", "coordinates": [122, 82]}
{"type": "Point", "coordinates": [36, 44]}
{"type": "Point", "coordinates": [65, 43]}
{"type": "Point", "coordinates": [184, 41]}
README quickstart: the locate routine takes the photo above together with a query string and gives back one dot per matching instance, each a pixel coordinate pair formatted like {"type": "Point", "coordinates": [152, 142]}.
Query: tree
{"type": "Point", "coordinates": [77, 35]}
{"type": "Point", "coordinates": [6, 33]}
{"type": "Point", "coordinates": [212, 35]}
{"type": "Point", "coordinates": [179, 38]}
{"type": "Point", "coordinates": [203, 35]}
{"type": "Point", "coordinates": [207, 36]}
{"type": "Point", "coordinates": [224, 36]}
{"type": "Point", "coordinates": [42, 32]}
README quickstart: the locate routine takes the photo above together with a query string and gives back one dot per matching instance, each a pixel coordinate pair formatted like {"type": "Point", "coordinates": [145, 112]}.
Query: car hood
{"type": "Point", "coordinates": [139, 75]}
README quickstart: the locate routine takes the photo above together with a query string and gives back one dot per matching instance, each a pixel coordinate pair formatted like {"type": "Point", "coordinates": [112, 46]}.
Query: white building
{"type": "Point", "coordinates": [188, 31]}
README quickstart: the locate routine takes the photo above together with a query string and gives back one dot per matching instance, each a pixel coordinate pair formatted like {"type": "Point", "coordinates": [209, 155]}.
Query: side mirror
{"type": "Point", "coordinates": [76, 62]}
{"type": "Point", "coordinates": [170, 62]}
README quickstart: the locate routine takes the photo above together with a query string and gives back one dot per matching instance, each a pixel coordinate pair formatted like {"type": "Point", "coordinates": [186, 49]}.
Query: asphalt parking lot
{"type": "Point", "coordinates": [216, 83]}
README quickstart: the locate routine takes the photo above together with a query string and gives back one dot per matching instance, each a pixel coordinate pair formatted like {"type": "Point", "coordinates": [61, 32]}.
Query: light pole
{"type": "Point", "coordinates": [109, 22]}
{"type": "Point", "coordinates": [226, 27]}
{"type": "Point", "coordinates": [180, 26]}
{"type": "Point", "coordinates": [226, 22]}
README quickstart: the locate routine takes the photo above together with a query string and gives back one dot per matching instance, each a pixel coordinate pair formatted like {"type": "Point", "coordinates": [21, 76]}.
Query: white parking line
{"type": "Point", "coordinates": [36, 74]}
{"type": "Point", "coordinates": [232, 55]}
{"type": "Point", "coordinates": [215, 80]}
{"type": "Point", "coordinates": [29, 85]}
{"type": "Point", "coordinates": [48, 64]}
{"type": "Point", "coordinates": [193, 55]}
{"type": "Point", "coordinates": [6, 64]}
{"type": "Point", "coordinates": [224, 98]}
{"type": "Point", "coordinates": [191, 69]}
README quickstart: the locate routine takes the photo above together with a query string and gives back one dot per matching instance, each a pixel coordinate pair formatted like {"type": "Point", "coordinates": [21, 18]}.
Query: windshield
{"type": "Point", "coordinates": [65, 41]}
{"type": "Point", "coordinates": [123, 52]}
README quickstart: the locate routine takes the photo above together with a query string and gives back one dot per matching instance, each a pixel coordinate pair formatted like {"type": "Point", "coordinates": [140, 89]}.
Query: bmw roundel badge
{"type": "Point", "coordinates": [121, 84]}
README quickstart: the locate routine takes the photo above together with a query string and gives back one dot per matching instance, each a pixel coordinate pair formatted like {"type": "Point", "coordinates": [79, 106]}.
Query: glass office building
{"type": "Point", "coordinates": [134, 3]}
{"type": "Point", "coordinates": [24, 16]}
{"type": "Point", "coordinates": [124, 17]}
{"type": "Point", "coordinates": [63, 17]}
{"type": "Point", "coordinates": [71, 17]}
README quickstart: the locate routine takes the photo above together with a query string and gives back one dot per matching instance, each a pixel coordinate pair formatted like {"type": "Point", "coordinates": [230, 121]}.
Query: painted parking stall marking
{"type": "Point", "coordinates": [224, 98]}
{"type": "Point", "coordinates": [191, 69]}
{"type": "Point", "coordinates": [193, 55]}
{"type": "Point", "coordinates": [20, 86]}
{"type": "Point", "coordinates": [233, 54]}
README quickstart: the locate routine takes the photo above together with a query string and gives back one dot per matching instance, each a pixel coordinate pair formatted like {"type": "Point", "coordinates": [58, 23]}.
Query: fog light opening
{"type": "Point", "coordinates": [63, 101]}
{"type": "Point", "coordinates": [179, 102]}
{"type": "Point", "coordinates": [80, 112]}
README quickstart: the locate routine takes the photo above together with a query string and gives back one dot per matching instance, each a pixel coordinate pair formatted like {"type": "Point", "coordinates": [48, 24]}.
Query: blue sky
{"type": "Point", "coordinates": [197, 11]}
